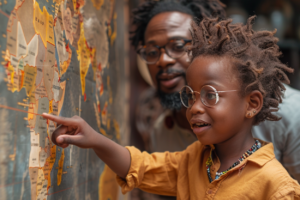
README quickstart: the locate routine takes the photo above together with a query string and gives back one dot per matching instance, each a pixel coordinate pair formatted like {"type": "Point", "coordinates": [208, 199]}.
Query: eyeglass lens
{"type": "Point", "coordinates": [174, 49]}
{"type": "Point", "coordinates": [208, 96]}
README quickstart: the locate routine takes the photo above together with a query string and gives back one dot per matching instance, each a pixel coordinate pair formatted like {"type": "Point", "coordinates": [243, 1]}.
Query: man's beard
{"type": "Point", "coordinates": [170, 101]}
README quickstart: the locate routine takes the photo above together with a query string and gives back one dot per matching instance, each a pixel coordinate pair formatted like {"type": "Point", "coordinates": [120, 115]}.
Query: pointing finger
{"type": "Point", "coordinates": [60, 120]}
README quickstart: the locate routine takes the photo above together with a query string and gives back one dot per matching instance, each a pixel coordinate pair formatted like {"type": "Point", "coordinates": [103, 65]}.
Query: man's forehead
{"type": "Point", "coordinates": [168, 24]}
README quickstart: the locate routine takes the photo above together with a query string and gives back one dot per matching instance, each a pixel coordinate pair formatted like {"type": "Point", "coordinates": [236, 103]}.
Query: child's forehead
{"type": "Point", "coordinates": [206, 69]}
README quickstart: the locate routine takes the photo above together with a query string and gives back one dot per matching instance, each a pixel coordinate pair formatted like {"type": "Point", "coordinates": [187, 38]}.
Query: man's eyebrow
{"type": "Point", "coordinates": [171, 38]}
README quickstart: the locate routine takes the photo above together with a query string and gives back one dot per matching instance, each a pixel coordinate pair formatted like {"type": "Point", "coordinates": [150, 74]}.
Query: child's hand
{"type": "Point", "coordinates": [76, 131]}
{"type": "Point", "coordinates": [72, 131]}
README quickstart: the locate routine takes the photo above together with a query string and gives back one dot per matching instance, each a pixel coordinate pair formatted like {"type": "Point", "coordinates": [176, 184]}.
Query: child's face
{"type": "Point", "coordinates": [226, 118]}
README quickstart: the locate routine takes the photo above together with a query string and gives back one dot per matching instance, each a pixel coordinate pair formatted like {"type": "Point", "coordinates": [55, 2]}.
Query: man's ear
{"type": "Point", "coordinates": [255, 102]}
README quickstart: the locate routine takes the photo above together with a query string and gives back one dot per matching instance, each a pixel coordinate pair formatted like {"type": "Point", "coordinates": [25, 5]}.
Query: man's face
{"type": "Point", "coordinates": [168, 74]}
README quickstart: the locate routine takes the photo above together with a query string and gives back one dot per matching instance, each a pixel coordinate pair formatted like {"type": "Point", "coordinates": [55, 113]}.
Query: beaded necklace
{"type": "Point", "coordinates": [254, 148]}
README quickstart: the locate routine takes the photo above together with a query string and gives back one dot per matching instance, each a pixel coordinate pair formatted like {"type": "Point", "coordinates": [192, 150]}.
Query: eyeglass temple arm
{"type": "Point", "coordinates": [228, 91]}
{"type": "Point", "coordinates": [217, 91]}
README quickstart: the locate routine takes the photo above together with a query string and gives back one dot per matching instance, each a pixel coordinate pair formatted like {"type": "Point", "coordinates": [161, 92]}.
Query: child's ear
{"type": "Point", "coordinates": [255, 102]}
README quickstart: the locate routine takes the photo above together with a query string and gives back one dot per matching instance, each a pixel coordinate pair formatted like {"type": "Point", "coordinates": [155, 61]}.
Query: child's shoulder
{"type": "Point", "coordinates": [278, 180]}
{"type": "Point", "coordinates": [195, 151]}
{"type": "Point", "coordinates": [195, 147]}
{"type": "Point", "coordinates": [265, 174]}
{"type": "Point", "coordinates": [276, 172]}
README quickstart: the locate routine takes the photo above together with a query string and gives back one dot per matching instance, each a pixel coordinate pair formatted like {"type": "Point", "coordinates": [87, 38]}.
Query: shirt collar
{"type": "Point", "coordinates": [262, 155]}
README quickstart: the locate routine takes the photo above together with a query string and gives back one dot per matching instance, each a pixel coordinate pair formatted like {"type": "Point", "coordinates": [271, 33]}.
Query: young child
{"type": "Point", "coordinates": [234, 82]}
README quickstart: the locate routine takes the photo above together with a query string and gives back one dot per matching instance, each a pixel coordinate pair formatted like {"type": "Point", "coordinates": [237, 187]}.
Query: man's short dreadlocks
{"type": "Point", "coordinates": [255, 55]}
{"type": "Point", "coordinates": [196, 8]}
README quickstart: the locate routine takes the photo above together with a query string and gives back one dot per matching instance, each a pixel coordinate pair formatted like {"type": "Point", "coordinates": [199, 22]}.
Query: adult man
{"type": "Point", "coordinates": [161, 36]}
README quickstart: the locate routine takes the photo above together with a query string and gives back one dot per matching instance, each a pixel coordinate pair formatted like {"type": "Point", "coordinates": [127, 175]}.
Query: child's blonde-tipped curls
{"type": "Point", "coordinates": [255, 54]}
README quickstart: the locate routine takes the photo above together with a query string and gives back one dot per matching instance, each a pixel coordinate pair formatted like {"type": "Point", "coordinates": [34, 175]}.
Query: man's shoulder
{"type": "Point", "coordinates": [289, 112]}
{"type": "Point", "coordinates": [289, 109]}
{"type": "Point", "coordinates": [289, 91]}
{"type": "Point", "coordinates": [164, 121]}
{"type": "Point", "coordinates": [166, 124]}
{"type": "Point", "coordinates": [168, 136]}
{"type": "Point", "coordinates": [290, 102]}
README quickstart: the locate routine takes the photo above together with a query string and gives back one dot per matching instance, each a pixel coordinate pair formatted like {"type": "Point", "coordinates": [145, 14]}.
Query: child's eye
{"type": "Point", "coordinates": [211, 95]}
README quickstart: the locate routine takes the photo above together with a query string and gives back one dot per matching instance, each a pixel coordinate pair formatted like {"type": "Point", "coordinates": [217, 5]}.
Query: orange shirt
{"type": "Point", "coordinates": [183, 174]}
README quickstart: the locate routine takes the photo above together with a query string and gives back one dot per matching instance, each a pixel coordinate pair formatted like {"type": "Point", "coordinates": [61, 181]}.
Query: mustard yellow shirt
{"type": "Point", "coordinates": [183, 174]}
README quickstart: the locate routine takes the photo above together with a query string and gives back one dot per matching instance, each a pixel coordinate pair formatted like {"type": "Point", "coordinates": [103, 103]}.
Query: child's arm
{"type": "Point", "coordinates": [77, 132]}
{"type": "Point", "coordinates": [155, 173]}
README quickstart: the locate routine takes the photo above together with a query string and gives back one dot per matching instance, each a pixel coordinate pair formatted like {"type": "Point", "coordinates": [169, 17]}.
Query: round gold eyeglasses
{"type": "Point", "coordinates": [209, 96]}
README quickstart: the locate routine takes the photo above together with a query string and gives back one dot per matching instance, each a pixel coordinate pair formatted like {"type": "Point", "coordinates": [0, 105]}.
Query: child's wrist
{"type": "Point", "coordinates": [96, 141]}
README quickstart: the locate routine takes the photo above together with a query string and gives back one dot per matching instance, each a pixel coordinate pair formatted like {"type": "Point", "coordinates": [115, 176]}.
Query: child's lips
{"type": "Point", "coordinates": [198, 125]}
{"type": "Point", "coordinates": [200, 130]}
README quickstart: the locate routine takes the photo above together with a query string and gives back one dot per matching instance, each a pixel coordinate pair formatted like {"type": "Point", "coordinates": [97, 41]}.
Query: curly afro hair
{"type": "Point", "coordinates": [255, 55]}
{"type": "Point", "coordinates": [196, 8]}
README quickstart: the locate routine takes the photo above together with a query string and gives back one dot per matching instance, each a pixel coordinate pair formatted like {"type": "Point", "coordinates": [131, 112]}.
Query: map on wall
{"type": "Point", "coordinates": [61, 57]}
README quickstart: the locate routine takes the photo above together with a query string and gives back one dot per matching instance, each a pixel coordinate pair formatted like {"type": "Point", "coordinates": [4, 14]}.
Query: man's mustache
{"type": "Point", "coordinates": [170, 71]}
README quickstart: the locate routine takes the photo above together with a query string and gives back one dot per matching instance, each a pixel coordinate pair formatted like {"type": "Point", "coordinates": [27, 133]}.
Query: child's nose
{"type": "Point", "coordinates": [197, 107]}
